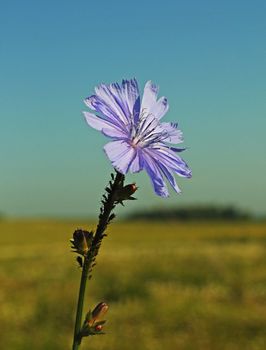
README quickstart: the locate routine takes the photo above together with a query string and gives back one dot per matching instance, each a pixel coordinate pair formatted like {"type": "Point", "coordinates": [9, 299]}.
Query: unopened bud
{"type": "Point", "coordinates": [99, 311]}
{"type": "Point", "coordinates": [125, 192]}
{"type": "Point", "coordinates": [81, 241]}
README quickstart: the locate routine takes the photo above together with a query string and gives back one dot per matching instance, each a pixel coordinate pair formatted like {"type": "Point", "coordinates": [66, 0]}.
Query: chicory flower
{"type": "Point", "coordinates": [140, 141]}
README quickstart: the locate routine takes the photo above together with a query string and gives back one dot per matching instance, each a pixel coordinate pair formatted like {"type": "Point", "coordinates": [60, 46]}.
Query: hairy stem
{"type": "Point", "coordinates": [104, 217]}
{"type": "Point", "coordinates": [108, 206]}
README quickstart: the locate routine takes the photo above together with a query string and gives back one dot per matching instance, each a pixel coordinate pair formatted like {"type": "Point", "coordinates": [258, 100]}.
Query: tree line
{"type": "Point", "coordinates": [197, 212]}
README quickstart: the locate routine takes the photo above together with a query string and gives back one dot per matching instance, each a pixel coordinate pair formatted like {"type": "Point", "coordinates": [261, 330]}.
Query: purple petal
{"type": "Point", "coordinates": [159, 108]}
{"type": "Point", "coordinates": [115, 133]}
{"type": "Point", "coordinates": [95, 103]}
{"type": "Point", "coordinates": [149, 97]}
{"type": "Point", "coordinates": [131, 95]}
{"type": "Point", "coordinates": [174, 135]}
{"type": "Point", "coordinates": [99, 123]}
{"type": "Point", "coordinates": [170, 160]}
{"type": "Point", "coordinates": [169, 177]}
{"type": "Point", "coordinates": [118, 104]}
{"type": "Point", "coordinates": [110, 94]}
{"type": "Point", "coordinates": [155, 176]}
{"type": "Point", "coordinates": [111, 102]}
{"type": "Point", "coordinates": [137, 162]}
{"type": "Point", "coordinates": [120, 154]}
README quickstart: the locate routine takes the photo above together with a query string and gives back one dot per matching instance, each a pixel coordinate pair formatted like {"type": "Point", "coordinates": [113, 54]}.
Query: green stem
{"type": "Point", "coordinates": [99, 234]}
{"type": "Point", "coordinates": [82, 288]}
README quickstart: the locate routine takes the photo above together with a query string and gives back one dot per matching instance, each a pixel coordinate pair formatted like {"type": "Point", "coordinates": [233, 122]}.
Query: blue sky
{"type": "Point", "coordinates": [208, 57]}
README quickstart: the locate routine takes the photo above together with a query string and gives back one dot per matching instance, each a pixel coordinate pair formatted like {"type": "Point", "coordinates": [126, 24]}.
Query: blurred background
{"type": "Point", "coordinates": [208, 57]}
{"type": "Point", "coordinates": [194, 278]}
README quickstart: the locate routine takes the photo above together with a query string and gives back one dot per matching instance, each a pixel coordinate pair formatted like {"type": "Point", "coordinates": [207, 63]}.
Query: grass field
{"type": "Point", "coordinates": [170, 286]}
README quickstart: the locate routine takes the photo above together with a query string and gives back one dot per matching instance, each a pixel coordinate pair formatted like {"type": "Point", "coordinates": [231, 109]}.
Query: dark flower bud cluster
{"type": "Point", "coordinates": [93, 323]}
{"type": "Point", "coordinates": [81, 241]}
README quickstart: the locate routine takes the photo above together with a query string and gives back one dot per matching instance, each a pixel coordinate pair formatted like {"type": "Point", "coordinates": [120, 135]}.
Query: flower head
{"type": "Point", "coordinates": [140, 141]}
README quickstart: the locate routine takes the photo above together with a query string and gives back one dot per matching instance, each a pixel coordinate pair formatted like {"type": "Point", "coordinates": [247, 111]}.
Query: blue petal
{"type": "Point", "coordinates": [115, 133]}
{"type": "Point", "coordinates": [137, 162]}
{"type": "Point", "coordinates": [155, 176]}
{"type": "Point", "coordinates": [120, 154]}
{"type": "Point", "coordinates": [95, 103]}
{"type": "Point", "coordinates": [114, 93]}
{"type": "Point", "coordinates": [170, 160]}
{"type": "Point", "coordinates": [100, 124]}
{"type": "Point", "coordinates": [131, 95]}
{"type": "Point", "coordinates": [174, 135]}
{"type": "Point", "coordinates": [170, 177]}
{"type": "Point", "coordinates": [117, 103]}
{"type": "Point", "coordinates": [149, 96]}
{"type": "Point", "coordinates": [160, 108]}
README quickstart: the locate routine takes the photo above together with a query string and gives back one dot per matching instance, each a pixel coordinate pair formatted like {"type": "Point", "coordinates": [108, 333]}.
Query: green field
{"type": "Point", "coordinates": [170, 286]}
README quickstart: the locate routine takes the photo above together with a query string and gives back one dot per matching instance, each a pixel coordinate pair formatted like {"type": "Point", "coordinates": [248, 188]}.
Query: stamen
{"type": "Point", "coordinates": [143, 134]}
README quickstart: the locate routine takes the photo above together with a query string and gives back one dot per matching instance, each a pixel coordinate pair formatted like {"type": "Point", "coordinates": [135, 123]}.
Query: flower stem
{"type": "Point", "coordinates": [108, 206]}
{"type": "Point", "coordinates": [82, 288]}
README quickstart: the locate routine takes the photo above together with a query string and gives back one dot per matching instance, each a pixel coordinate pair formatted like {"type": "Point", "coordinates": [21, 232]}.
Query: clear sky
{"type": "Point", "coordinates": [207, 56]}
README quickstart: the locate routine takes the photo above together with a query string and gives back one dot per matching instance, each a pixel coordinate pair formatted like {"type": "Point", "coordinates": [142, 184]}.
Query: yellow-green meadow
{"type": "Point", "coordinates": [169, 285]}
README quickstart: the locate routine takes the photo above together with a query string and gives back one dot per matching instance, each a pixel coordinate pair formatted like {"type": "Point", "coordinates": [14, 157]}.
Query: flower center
{"type": "Point", "coordinates": [146, 131]}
